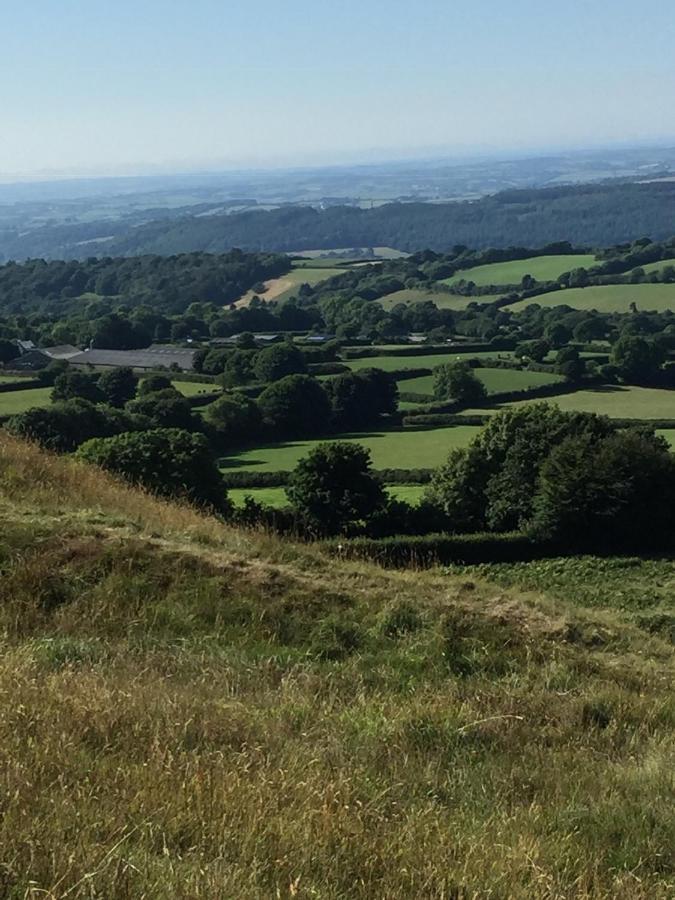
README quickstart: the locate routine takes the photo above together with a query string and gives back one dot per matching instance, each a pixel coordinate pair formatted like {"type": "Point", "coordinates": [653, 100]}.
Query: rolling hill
{"type": "Point", "coordinates": [187, 710]}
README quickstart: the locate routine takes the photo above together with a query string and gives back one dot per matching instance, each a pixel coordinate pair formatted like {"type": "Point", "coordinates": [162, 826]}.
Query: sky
{"type": "Point", "coordinates": [142, 86]}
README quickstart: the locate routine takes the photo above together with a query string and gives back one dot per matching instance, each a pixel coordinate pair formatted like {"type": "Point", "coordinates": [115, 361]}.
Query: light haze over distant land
{"type": "Point", "coordinates": [94, 88]}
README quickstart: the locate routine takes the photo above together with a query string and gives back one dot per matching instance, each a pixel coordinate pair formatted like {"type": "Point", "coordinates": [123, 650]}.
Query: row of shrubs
{"type": "Point", "coordinates": [234, 479]}
{"type": "Point", "coordinates": [423, 551]}
{"type": "Point", "coordinates": [431, 350]}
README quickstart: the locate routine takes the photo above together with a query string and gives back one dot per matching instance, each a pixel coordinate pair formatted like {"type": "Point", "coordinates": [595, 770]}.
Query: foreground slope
{"type": "Point", "coordinates": [191, 711]}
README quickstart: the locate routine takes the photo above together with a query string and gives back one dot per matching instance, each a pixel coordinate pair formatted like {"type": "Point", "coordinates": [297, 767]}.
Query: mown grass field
{"type": "Point", "coordinates": [441, 299]}
{"type": "Point", "coordinates": [608, 298]}
{"type": "Point", "coordinates": [193, 388]}
{"type": "Point", "coordinates": [276, 496]}
{"type": "Point", "coordinates": [390, 450]}
{"type": "Point", "coordinates": [658, 266]}
{"type": "Point", "coordinates": [496, 381]}
{"type": "Point", "coordinates": [421, 361]}
{"type": "Point", "coordinates": [543, 268]}
{"type": "Point", "coordinates": [190, 711]}
{"type": "Point", "coordinates": [13, 402]}
{"type": "Point", "coordinates": [14, 379]}
{"type": "Point", "coordinates": [617, 402]}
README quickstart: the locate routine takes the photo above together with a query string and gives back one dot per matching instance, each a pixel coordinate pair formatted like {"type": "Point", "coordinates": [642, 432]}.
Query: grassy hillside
{"type": "Point", "coordinates": [608, 298]}
{"type": "Point", "coordinates": [542, 268]}
{"type": "Point", "coordinates": [442, 301]}
{"type": "Point", "coordinates": [188, 711]}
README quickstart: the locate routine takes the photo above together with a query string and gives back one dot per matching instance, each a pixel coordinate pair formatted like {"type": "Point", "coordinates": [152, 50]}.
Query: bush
{"type": "Point", "coordinates": [167, 461]}
{"type": "Point", "coordinates": [74, 384]}
{"type": "Point", "coordinates": [277, 362]}
{"type": "Point", "coordinates": [62, 427]}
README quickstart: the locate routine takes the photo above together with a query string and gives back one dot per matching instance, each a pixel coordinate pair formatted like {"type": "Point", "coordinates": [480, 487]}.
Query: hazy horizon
{"type": "Point", "coordinates": [92, 91]}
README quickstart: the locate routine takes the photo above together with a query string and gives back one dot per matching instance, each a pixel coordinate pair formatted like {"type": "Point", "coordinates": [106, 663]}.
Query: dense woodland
{"type": "Point", "coordinates": [596, 215]}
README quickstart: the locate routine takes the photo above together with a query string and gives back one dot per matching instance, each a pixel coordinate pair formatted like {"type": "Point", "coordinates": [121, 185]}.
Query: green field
{"type": "Point", "coordinates": [19, 401]}
{"type": "Point", "coordinates": [607, 298]}
{"type": "Point", "coordinates": [390, 450]}
{"type": "Point", "coordinates": [496, 381]}
{"type": "Point", "coordinates": [14, 379]}
{"type": "Point", "coordinates": [609, 400]}
{"type": "Point", "coordinates": [192, 388]}
{"type": "Point", "coordinates": [657, 266]}
{"type": "Point", "coordinates": [276, 496]}
{"type": "Point", "coordinates": [428, 361]}
{"type": "Point", "coordinates": [441, 299]}
{"type": "Point", "coordinates": [543, 268]}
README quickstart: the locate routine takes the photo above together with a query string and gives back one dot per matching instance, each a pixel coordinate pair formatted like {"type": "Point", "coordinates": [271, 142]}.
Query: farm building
{"type": "Point", "coordinates": [155, 357]}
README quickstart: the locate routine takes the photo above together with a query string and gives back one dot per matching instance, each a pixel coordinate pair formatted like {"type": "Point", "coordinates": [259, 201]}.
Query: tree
{"type": "Point", "coordinates": [73, 383]}
{"type": "Point", "coordinates": [637, 359]}
{"type": "Point", "coordinates": [118, 386]}
{"type": "Point", "coordinates": [457, 381]}
{"type": "Point", "coordinates": [238, 368]}
{"type": "Point", "coordinates": [569, 364]}
{"type": "Point", "coordinates": [50, 373]}
{"type": "Point", "coordinates": [166, 409]}
{"type": "Point", "coordinates": [295, 406]}
{"type": "Point", "coordinates": [492, 484]}
{"type": "Point", "coordinates": [534, 350]}
{"type": "Point", "coordinates": [614, 490]}
{"type": "Point", "coordinates": [8, 351]}
{"type": "Point", "coordinates": [154, 383]}
{"type": "Point", "coordinates": [167, 461]}
{"type": "Point", "coordinates": [274, 363]}
{"type": "Point", "coordinates": [235, 417]}
{"type": "Point", "coordinates": [334, 488]}
{"type": "Point", "coordinates": [359, 398]}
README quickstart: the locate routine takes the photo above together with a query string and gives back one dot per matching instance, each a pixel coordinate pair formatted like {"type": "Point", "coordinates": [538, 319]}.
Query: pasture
{"type": "Point", "coordinates": [542, 268]}
{"type": "Point", "coordinates": [615, 401]}
{"type": "Point", "coordinates": [658, 266]}
{"type": "Point", "coordinates": [496, 381]}
{"type": "Point", "coordinates": [276, 496]}
{"type": "Point", "coordinates": [406, 449]}
{"type": "Point", "coordinates": [439, 298]}
{"type": "Point", "coordinates": [429, 361]}
{"type": "Point", "coordinates": [193, 388]}
{"type": "Point", "coordinates": [607, 298]}
{"type": "Point", "coordinates": [15, 402]}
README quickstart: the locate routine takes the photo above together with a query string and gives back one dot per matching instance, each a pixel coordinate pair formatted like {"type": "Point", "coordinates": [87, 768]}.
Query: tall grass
{"type": "Point", "coordinates": [188, 712]}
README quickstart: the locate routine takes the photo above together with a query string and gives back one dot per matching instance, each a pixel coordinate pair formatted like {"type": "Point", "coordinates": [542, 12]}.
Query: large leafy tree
{"type": "Point", "coordinates": [74, 383]}
{"type": "Point", "coordinates": [492, 484]}
{"type": "Point", "coordinates": [334, 488]}
{"type": "Point", "coordinates": [612, 490]}
{"type": "Point", "coordinates": [274, 363]}
{"type": "Point", "coordinates": [359, 398]}
{"type": "Point", "coordinates": [458, 381]}
{"type": "Point", "coordinates": [118, 386]}
{"type": "Point", "coordinates": [235, 418]}
{"type": "Point", "coordinates": [167, 461]}
{"type": "Point", "coordinates": [637, 359]}
{"type": "Point", "coordinates": [296, 406]}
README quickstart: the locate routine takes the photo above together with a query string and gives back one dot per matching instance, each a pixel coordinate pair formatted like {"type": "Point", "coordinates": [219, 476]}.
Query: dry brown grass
{"type": "Point", "coordinates": [190, 712]}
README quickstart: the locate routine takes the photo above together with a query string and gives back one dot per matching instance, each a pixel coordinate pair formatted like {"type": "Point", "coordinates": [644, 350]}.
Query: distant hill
{"type": "Point", "coordinates": [591, 215]}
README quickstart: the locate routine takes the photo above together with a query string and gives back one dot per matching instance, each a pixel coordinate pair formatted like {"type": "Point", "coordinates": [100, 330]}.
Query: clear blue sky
{"type": "Point", "coordinates": [131, 85]}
